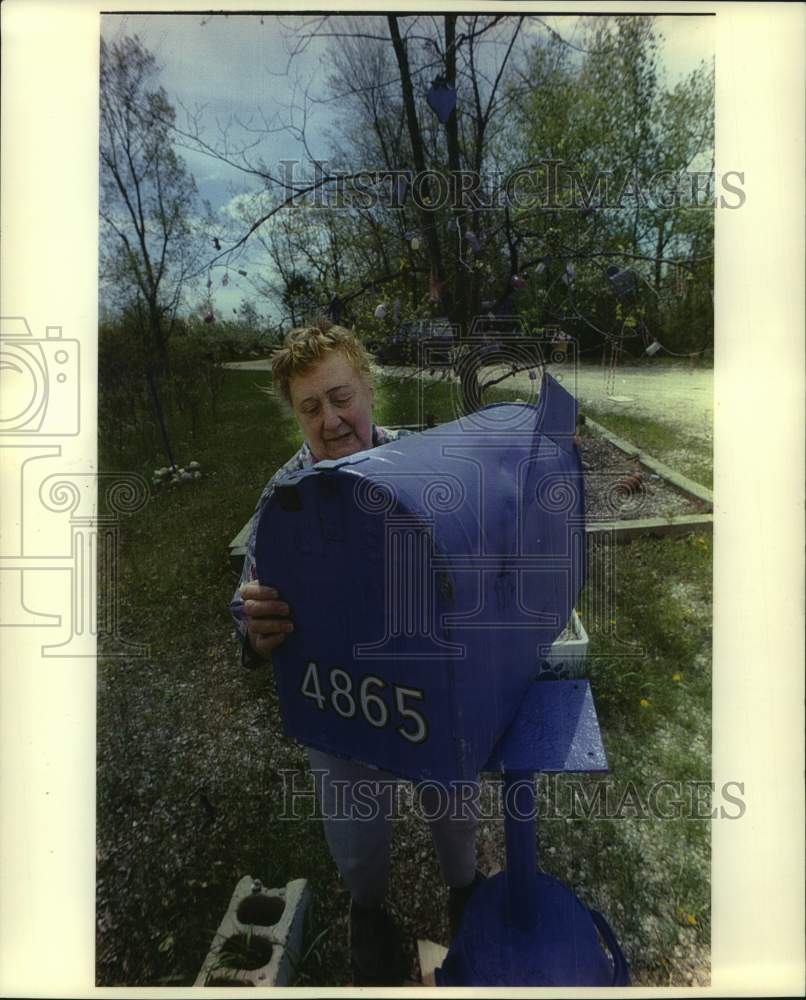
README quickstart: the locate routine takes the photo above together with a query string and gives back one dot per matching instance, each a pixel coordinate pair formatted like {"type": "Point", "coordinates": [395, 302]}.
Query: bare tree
{"type": "Point", "coordinates": [151, 230]}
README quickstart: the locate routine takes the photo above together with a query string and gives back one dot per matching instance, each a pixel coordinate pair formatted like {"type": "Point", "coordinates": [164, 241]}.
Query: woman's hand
{"type": "Point", "coordinates": [267, 618]}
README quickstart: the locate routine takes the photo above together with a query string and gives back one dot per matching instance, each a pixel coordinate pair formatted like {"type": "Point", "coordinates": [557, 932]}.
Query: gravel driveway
{"type": "Point", "coordinates": [677, 395]}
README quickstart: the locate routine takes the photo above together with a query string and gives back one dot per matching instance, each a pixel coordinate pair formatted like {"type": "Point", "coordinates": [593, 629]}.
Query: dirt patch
{"type": "Point", "coordinates": [619, 488]}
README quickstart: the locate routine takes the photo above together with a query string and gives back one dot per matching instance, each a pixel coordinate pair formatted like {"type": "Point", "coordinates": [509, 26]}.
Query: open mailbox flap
{"type": "Point", "coordinates": [423, 577]}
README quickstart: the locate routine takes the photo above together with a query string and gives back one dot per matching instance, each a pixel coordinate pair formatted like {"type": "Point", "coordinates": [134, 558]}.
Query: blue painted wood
{"type": "Point", "coordinates": [520, 838]}
{"type": "Point", "coordinates": [556, 729]}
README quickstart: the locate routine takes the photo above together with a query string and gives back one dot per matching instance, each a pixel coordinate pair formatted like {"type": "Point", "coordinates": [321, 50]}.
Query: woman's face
{"type": "Point", "coordinates": [333, 406]}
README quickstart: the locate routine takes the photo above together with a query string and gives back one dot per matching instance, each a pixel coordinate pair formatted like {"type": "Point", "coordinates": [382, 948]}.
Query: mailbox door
{"type": "Point", "coordinates": [424, 576]}
{"type": "Point", "coordinates": [363, 675]}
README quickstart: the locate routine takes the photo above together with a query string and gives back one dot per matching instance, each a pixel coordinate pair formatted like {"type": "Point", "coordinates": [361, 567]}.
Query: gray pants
{"type": "Point", "coordinates": [357, 802]}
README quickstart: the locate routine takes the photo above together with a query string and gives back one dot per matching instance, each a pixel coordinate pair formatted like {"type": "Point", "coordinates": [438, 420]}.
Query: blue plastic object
{"type": "Point", "coordinates": [441, 98]}
{"type": "Point", "coordinates": [560, 948]}
{"type": "Point", "coordinates": [423, 577]}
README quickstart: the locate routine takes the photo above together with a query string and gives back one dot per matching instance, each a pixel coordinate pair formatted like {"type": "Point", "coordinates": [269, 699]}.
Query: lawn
{"type": "Point", "coordinates": [190, 746]}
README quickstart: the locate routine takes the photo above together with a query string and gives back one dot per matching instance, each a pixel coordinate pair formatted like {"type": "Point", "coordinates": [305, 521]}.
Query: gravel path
{"type": "Point", "coordinates": [677, 395]}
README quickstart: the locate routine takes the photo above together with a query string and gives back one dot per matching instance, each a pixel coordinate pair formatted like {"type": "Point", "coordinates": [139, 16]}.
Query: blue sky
{"type": "Point", "coordinates": [235, 69]}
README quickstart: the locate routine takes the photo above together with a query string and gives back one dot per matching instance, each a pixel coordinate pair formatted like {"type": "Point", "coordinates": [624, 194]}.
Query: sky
{"type": "Point", "coordinates": [235, 70]}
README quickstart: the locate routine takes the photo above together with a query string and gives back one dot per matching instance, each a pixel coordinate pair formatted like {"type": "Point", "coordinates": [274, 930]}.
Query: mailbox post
{"type": "Point", "coordinates": [522, 927]}
{"type": "Point", "coordinates": [425, 575]}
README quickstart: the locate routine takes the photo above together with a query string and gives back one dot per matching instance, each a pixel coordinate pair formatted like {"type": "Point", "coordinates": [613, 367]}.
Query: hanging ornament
{"type": "Point", "coordinates": [209, 318]}
{"type": "Point", "coordinates": [380, 311]}
{"type": "Point", "coordinates": [209, 281]}
{"type": "Point", "coordinates": [216, 244]}
{"type": "Point", "coordinates": [225, 280]}
{"type": "Point", "coordinates": [441, 98]}
{"type": "Point", "coordinates": [473, 240]}
{"type": "Point", "coordinates": [532, 375]}
{"type": "Point", "coordinates": [653, 348]}
{"type": "Point", "coordinates": [242, 273]}
{"type": "Point", "coordinates": [624, 283]}
{"type": "Point", "coordinates": [416, 243]}
{"type": "Point", "coordinates": [517, 281]}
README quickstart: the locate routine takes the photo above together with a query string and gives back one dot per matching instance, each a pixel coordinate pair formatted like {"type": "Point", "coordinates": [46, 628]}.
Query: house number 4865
{"type": "Point", "coordinates": [366, 700]}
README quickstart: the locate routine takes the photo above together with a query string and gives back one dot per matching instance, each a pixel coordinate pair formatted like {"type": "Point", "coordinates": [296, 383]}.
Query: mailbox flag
{"type": "Point", "coordinates": [425, 576]}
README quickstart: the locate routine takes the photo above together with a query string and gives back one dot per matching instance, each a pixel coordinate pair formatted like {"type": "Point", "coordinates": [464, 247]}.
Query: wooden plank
{"type": "Point", "coordinates": [659, 527]}
{"type": "Point", "coordinates": [675, 478]}
{"type": "Point", "coordinates": [554, 730]}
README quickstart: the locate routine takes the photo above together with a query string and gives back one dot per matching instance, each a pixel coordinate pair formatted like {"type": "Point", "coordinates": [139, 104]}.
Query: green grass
{"type": "Point", "coordinates": [190, 747]}
{"type": "Point", "coordinates": [683, 452]}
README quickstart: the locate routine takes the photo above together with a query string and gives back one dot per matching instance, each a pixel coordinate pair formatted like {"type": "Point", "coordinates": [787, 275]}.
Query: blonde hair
{"type": "Point", "coordinates": [306, 346]}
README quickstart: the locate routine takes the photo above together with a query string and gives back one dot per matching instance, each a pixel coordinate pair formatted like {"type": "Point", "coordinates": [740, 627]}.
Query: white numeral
{"type": "Point", "coordinates": [310, 686]}
{"type": "Point", "coordinates": [342, 693]}
{"type": "Point", "coordinates": [368, 700]}
{"type": "Point", "coordinates": [373, 708]}
{"type": "Point", "coordinates": [421, 732]}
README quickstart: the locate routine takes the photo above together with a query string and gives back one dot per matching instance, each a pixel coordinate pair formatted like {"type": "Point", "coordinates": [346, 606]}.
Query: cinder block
{"type": "Point", "coordinates": [566, 657]}
{"type": "Point", "coordinates": [260, 938]}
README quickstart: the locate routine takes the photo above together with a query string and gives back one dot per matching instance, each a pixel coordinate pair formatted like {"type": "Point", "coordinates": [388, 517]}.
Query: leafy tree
{"type": "Point", "coordinates": [622, 145]}
{"type": "Point", "coordinates": [524, 96]}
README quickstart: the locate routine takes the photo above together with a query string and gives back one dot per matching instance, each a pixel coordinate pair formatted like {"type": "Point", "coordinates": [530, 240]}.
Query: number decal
{"type": "Point", "coordinates": [373, 707]}
{"type": "Point", "coordinates": [342, 692]}
{"type": "Point", "coordinates": [310, 686]}
{"type": "Point", "coordinates": [370, 701]}
{"type": "Point", "coordinates": [420, 734]}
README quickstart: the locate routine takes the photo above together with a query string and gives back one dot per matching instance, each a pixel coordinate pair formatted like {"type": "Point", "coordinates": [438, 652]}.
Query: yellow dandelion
{"type": "Point", "coordinates": [692, 920]}
{"type": "Point", "coordinates": [676, 677]}
{"type": "Point", "coordinates": [645, 703]}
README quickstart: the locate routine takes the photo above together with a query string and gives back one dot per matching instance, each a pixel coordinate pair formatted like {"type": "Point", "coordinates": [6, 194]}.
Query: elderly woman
{"type": "Point", "coordinates": [323, 372]}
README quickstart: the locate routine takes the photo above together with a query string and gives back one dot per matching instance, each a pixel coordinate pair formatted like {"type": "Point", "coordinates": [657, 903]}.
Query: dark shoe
{"type": "Point", "coordinates": [376, 947]}
{"type": "Point", "coordinates": [458, 900]}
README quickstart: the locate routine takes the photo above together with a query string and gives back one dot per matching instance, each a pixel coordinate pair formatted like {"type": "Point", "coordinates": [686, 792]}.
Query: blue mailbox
{"type": "Point", "coordinates": [425, 578]}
